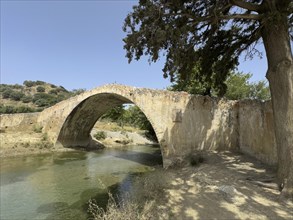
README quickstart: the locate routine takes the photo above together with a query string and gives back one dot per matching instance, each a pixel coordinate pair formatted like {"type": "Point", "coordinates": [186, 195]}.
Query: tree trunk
{"type": "Point", "coordinates": [280, 75]}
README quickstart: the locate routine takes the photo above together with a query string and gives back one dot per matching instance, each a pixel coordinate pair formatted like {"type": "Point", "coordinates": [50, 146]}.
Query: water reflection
{"type": "Point", "coordinates": [58, 186]}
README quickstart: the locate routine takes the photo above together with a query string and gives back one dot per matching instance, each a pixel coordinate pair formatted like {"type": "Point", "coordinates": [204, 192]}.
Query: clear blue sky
{"type": "Point", "coordinates": [77, 44]}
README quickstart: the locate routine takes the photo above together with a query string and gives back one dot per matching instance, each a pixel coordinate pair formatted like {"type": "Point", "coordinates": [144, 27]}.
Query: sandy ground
{"type": "Point", "coordinates": [224, 186]}
{"type": "Point", "coordinates": [19, 143]}
{"type": "Point", "coordinates": [14, 143]}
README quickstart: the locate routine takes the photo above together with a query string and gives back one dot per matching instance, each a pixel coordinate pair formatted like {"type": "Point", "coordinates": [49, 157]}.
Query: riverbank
{"type": "Point", "coordinates": [31, 140]}
{"type": "Point", "coordinates": [223, 186]}
{"type": "Point", "coordinates": [14, 143]}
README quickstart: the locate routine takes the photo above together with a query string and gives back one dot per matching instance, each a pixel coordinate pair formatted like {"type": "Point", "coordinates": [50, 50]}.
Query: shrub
{"type": "Point", "coordinates": [6, 109]}
{"type": "Point", "coordinates": [40, 89]}
{"type": "Point", "coordinates": [6, 93]}
{"type": "Point", "coordinates": [28, 83]}
{"type": "Point", "coordinates": [27, 99]}
{"type": "Point", "coordinates": [44, 100]}
{"type": "Point", "coordinates": [121, 211]}
{"type": "Point", "coordinates": [42, 103]}
{"type": "Point", "coordinates": [196, 159]}
{"type": "Point", "coordinates": [24, 109]}
{"type": "Point", "coordinates": [53, 92]}
{"type": "Point", "coordinates": [16, 86]}
{"type": "Point", "coordinates": [100, 135]}
{"type": "Point", "coordinates": [16, 96]}
{"type": "Point", "coordinates": [3, 87]}
{"type": "Point", "coordinates": [38, 82]}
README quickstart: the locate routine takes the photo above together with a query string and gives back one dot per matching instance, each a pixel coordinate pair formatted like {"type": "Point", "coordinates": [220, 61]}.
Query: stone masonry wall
{"type": "Point", "coordinates": [256, 131]}
{"type": "Point", "coordinates": [183, 123]}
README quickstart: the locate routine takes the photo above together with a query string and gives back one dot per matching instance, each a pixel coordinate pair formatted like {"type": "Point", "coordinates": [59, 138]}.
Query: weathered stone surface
{"type": "Point", "coordinates": [183, 123]}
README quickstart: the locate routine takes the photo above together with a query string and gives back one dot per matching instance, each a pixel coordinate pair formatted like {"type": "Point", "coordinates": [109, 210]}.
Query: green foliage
{"type": "Point", "coordinates": [77, 91]}
{"type": "Point", "coordinates": [3, 87]}
{"type": "Point", "coordinates": [6, 93]}
{"type": "Point", "coordinates": [53, 92]}
{"type": "Point", "coordinates": [28, 83]}
{"type": "Point", "coordinates": [194, 84]}
{"type": "Point", "coordinates": [100, 135]}
{"type": "Point", "coordinates": [40, 89]}
{"type": "Point", "coordinates": [38, 82]}
{"type": "Point", "coordinates": [260, 90]}
{"type": "Point", "coordinates": [132, 116]}
{"type": "Point", "coordinates": [16, 96]}
{"type": "Point", "coordinates": [27, 99]}
{"type": "Point", "coordinates": [41, 99]}
{"type": "Point", "coordinates": [204, 33]}
{"type": "Point", "coordinates": [115, 114]}
{"type": "Point", "coordinates": [44, 100]}
{"type": "Point", "coordinates": [238, 87]}
{"type": "Point", "coordinates": [7, 109]}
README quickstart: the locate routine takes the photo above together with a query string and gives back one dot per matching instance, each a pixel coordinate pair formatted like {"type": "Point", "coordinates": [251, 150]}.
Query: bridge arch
{"type": "Point", "coordinates": [75, 131]}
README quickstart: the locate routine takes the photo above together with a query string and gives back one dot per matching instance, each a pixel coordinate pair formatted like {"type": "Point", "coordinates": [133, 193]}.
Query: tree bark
{"type": "Point", "coordinates": [280, 75]}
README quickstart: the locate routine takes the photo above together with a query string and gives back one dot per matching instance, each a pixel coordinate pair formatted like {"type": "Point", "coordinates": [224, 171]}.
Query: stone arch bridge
{"type": "Point", "coordinates": [183, 123]}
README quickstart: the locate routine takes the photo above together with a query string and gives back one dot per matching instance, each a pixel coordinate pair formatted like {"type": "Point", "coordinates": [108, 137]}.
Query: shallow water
{"type": "Point", "coordinates": [59, 185]}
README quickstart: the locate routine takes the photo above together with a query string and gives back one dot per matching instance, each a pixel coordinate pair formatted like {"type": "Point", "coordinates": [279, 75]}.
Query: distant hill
{"type": "Point", "coordinates": [32, 96]}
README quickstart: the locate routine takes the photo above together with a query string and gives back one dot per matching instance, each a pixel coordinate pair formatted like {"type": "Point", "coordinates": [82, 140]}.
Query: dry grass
{"type": "Point", "coordinates": [121, 211]}
{"type": "Point", "coordinates": [139, 204]}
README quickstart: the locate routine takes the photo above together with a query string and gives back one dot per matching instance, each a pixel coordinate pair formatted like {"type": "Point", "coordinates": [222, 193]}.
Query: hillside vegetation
{"type": "Point", "coordinates": [32, 96]}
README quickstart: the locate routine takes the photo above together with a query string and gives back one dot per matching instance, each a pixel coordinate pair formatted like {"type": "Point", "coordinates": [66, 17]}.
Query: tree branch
{"type": "Point", "coordinates": [241, 16]}
{"type": "Point", "coordinates": [246, 5]}
{"type": "Point", "coordinates": [220, 17]}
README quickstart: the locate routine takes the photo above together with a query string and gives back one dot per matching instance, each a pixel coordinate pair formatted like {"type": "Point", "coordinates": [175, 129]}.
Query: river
{"type": "Point", "coordinates": [59, 185]}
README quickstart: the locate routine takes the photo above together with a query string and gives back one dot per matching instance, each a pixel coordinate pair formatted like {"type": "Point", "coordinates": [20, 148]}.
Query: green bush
{"type": "Point", "coordinates": [44, 99]}
{"type": "Point", "coordinates": [16, 96]}
{"type": "Point", "coordinates": [100, 135]}
{"type": "Point", "coordinates": [28, 83]}
{"type": "Point", "coordinates": [3, 87]}
{"type": "Point", "coordinates": [16, 86]}
{"type": "Point", "coordinates": [40, 89]}
{"type": "Point", "coordinates": [38, 82]}
{"type": "Point", "coordinates": [6, 93]}
{"type": "Point", "coordinates": [53, 92]}
{"type": "Point", "coordinates": [12, 109]}
{"type": "Point", "coordinates": [27, 99]}
{"type": "Point", "coordinates": [42, 103]}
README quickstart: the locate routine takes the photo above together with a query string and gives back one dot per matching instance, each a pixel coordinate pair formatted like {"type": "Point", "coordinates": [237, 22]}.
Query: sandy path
{"type": "Point", "coordinates": [219, 189]}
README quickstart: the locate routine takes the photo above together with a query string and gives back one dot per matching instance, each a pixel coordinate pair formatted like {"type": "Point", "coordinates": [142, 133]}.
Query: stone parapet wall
{"type": "Point", "coordinates": [256, 131]}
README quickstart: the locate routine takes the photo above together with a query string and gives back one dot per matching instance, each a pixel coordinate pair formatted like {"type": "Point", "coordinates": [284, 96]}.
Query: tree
{"type": "Point", "coordinates": [28, 83]}
{"type": "Point", "coordinates": [213, 34]}
{"type": "Point", "coordinates": [238, 87]}
{"type": "Point", "coordinates": [40, 89]}
{"type": "Point", "coordinates": [260, 90]}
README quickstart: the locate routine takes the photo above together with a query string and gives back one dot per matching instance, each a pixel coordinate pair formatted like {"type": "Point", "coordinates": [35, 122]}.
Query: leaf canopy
{"type": "Point", "coordinates": [208, 34]}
